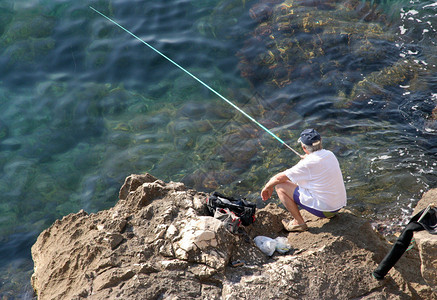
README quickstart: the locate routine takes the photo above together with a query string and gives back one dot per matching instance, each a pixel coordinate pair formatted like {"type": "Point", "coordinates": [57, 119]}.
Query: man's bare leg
{"type": "Point", "coordinates": [285, 193]}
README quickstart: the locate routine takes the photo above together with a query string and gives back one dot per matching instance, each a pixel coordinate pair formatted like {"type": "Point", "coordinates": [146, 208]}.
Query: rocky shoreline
{"type": "Point", "coordinates": [157, 242]}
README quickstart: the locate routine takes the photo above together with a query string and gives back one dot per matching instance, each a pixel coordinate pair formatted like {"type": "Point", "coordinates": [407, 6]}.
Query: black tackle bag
{"type": "Point", "coordinates": [243, 209]}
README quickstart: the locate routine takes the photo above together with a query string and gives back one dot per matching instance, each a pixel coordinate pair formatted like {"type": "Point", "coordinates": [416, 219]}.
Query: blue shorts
{"type": "Point", "coordinates": [318, 213]}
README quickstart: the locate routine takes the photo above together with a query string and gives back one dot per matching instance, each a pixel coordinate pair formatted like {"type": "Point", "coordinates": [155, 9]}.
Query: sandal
{"type": "Point", "coordinates": [294, 227]}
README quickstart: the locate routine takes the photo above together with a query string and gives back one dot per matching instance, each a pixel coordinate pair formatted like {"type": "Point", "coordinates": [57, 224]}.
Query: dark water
{"type": "Point", "coordinates": [83, 105]}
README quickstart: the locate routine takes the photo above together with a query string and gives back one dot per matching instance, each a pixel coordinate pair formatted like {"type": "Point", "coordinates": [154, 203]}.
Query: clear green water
{"type": "Point", "coordinates": [83, 105]}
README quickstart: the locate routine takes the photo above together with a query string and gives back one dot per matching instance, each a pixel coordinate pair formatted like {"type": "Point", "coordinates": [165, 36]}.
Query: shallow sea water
{"type": "Point", "coordinates": [83, 105]}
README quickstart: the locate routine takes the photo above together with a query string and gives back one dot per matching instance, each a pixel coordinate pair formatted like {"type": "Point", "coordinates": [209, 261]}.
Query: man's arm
{"type": "Point", "coordinates": [267, 191]}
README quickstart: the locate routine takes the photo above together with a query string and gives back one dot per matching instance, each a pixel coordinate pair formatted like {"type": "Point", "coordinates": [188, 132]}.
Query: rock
{"type": "Point", "coordinates": [157, 242]}
{"type": "Point", "coordinates": [205, 241]}
{"type": "Point", "coordinates": [132, 182]}
{"type": "Point", "coordinates": [429, 197]}
{"type": "Point", "coordinates": [427, 243]}
{"type": "Point", "coordinates": [114, 239]}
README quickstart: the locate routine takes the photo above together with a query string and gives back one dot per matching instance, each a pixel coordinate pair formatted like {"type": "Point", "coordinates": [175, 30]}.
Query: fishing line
{"type": "Point", "coordinates": [200, 81]}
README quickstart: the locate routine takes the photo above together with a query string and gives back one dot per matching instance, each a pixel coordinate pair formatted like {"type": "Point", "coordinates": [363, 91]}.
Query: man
{"type": "Point", "coordinates": [315, 183]}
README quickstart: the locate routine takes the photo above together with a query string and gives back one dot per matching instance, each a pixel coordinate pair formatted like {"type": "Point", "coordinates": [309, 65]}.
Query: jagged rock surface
{"type": "Point", "coordinates": [157, 242]}
{"type": "Point", "coordinates": [427, 243]}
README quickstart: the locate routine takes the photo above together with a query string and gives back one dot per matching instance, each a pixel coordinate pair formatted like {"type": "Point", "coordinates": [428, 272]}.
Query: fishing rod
{"type": "Point", "coordinates": [200, 81]}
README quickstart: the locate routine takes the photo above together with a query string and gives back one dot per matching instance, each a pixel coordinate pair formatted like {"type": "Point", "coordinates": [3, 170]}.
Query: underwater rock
{"type": "Point", "coordinates": [6, 15]}
{"type": "Point", "coordinates": [181, 127]}
{"type": "Point", "coordinates": [26, 51]}
{"type": "Point", "coordinates": [241, 154]}
{"type": "Point", "coordinates": [115, 102]}
{"type": "Point", "coordinates": [223, 23]}
{"type": "Point", "coordinates": [84, 113]}
{"type": "Point", "coordinates": [25, 40]}
{"type": "Point", "coordinates": [375, 82]}
{"type": "Point", "coordinates": [25, 27]}
{"type": "Point", "coordinates": [431, 121]}
{"type": "Point", "coordinates": [347, 46]}
{"type": "Point", "coordinates": [121, 139]}
{"type": "Point", "coordinates": [90, 99]}
{"type": "Point", "coordinates": [184, 142]}
{"type": "Point", "coordinates": [4, 131]}
{"type": "Point", "coordinates": [157, 120]}
{"type": "Point", "coordinates": [219, 112]}
{"type": "Point", "coordinates": [341, 146]}
{"type": "Point", "coordinates": [434, 114]}
{"type": "Point", "coordinates": [261, 11]}
{"type": "Point", "coordinates": [9, 147]}
{"type": "Point", "coordinates": [192, 110]}
{"type": "Point", "coordinates": [185, 131]}
{"type": "Point", "coordinates": [208, 179]}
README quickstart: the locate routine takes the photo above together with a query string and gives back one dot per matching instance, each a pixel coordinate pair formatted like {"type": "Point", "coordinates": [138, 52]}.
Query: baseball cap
{"type": "Point", "coordinates": [309, 137]}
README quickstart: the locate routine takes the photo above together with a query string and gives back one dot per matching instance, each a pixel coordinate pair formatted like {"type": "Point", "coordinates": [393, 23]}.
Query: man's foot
{"type": "Point", "coordinates": [292, 226]}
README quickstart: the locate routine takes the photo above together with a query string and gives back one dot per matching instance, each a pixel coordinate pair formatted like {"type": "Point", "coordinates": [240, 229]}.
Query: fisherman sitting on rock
{"type": "Point", "coordinates": [315, 183]}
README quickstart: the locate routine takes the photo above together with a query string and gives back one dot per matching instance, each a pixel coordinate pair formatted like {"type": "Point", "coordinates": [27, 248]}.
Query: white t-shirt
{"type": "Point", "coordinates": [320, 181]}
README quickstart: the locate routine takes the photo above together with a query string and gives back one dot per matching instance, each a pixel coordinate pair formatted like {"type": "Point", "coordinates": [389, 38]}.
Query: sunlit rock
{"type": "Point", "coordinates": [167, 245]}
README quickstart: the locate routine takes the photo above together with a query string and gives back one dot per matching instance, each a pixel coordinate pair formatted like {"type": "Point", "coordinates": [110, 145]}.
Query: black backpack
{"type": "Point", "coordinates": [243, 209]}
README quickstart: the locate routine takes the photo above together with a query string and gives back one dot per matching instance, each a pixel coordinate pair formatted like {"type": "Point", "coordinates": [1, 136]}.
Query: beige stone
{"type": "Point", "coordinates": [155, 244]}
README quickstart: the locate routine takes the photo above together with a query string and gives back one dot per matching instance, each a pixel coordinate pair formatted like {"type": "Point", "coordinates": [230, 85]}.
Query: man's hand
{"type": "Point", "coordinates": [266, 193]}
